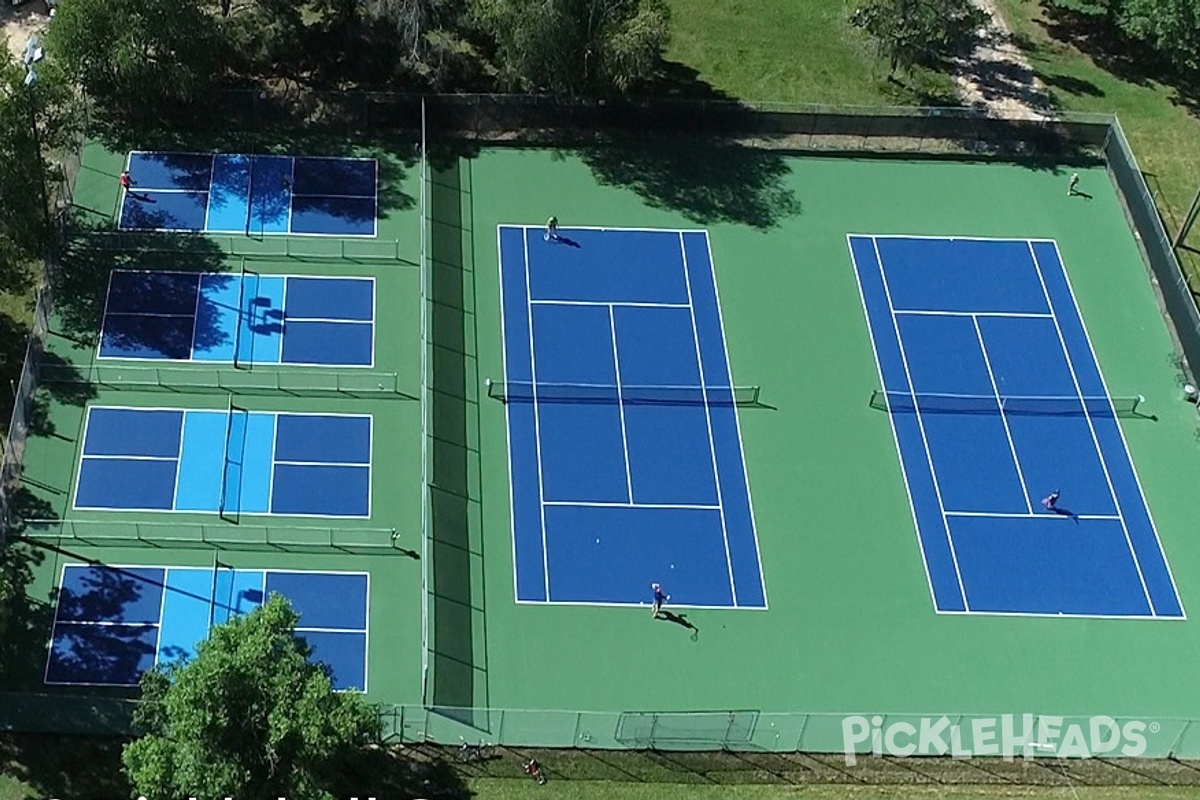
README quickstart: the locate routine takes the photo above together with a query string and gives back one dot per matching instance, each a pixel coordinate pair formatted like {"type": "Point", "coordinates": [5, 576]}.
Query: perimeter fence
{"type": "Point", "coordinates": [753, 731]}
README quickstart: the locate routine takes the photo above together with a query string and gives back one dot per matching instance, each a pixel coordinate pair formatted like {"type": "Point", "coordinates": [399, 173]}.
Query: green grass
{"type": "Point", "coordinates": [1164, 133]}
{"type": "Point", "coordinates": [790, 52]}
{"type": "Point", "coordinates": [512, 789]}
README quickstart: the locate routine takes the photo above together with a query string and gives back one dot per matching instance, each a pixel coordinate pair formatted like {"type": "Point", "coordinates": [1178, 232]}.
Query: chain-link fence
{"type": "Point", "coordinates": [752, 731]}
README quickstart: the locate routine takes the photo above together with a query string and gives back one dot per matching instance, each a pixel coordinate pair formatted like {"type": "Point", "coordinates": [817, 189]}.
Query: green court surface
{"type": "Point", "coordinates": [851, 627]}
{"type": "Point", "coordinates": [386, 544]}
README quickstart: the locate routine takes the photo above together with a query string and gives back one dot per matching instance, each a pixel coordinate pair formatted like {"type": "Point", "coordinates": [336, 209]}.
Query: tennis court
{"type": "Point", "coordinates": [625, 454]}
{"type": "Point", "coordinates": [229, 462]}
{"type": "Point", "coordinates": [996, 400]}
{"type": "Point", "coordinates": [113, 623]}
{"type": "Point", "coordinates": [250, 194]}
{"type": "Point", "coordinates": [243, 318]}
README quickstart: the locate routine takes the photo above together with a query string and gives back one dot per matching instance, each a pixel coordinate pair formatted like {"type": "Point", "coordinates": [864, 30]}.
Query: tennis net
{"type": "Point", "coordinates": [213, 536]}
{"type": "Point", "coordinates": [197, 379]}
{"type": "Point", "coordinates": [935, 403]}
{"type": "Point", "coordinates": [528, 391]}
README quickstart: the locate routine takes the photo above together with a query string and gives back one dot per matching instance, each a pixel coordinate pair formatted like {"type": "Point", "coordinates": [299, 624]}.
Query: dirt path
{"type": "Point", "coordinates": [997, 76]}
{"type": "Point", "coordinates": [18, 22]}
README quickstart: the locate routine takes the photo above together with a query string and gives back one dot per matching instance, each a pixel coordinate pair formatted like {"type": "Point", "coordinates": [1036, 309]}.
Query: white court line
{"type": "Point", "coordinates": [151, 314]}
{"type": "Point", "coordinates": [291, 195]}
{"type": "Point", "coordinates": [920, 424]}
{"type": "Point", "coordinates": [1120, 431]}
{"type": "Point", "coordinates": [162, 609]}
{"type": "Point", "coordinates": [737, 421]}
{"type": "Point", "coordinates": [609, 304]}
{"type": "Point", "coordinates": [1091, 426]}
{"type": "Point", "coordinates": [196, 316]}
{"type": "Point", "coordinates": [331, 630]}
{"type": "Point", "coordinates": [333, 196]}
{"type": "Point", "coordinates": [603, 504]}
{"type": "Point", "coordinates": [512, 492]}
{"type": "Point", "coordinates": [332, 319]}
{"type": "Point", "coordinates": [892, 420]}
{"type": "Point", "coordinates": [179, 462]}
{"type": "Point", "coordinates": [930, 313]}
{"type": "Point", "coordinates": [212, 179]}
{"type": "Point", "coordinates": [1030, 515]}
{"type": "Point", "coordinates": [712, 445]}
{"type": "Point", "coordinates": [108, 623]}
{"type": "Point", "coordinates": [1012, 447]}
{"type": "Point", "coordinates": [612, 326]}
{"type": "Point", "coordinates": [120, 457]}
{"type": "Point", "coordinates": [173, 191]}
{"type": "Point", "coordinates": [537, 429]}
{"type": "Point", "coordinates": [926, 237]}
{"type": "Point", "coordinates": [274, 448]}
{"type": "Point", "coordinates": [615, 229]}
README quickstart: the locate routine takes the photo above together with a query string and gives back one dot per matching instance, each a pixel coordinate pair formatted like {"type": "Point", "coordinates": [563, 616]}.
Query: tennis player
{"type": "Point", "coordinates": [659, 599]}
{"type": "Point", "coordinates": [551, 229]}
{"type": "Point", "coordinates": [1074, 182]}
{"type": "Point", "coordinates": [126, 181]}
{"type": "Point", "coordinates": [1050, 502]}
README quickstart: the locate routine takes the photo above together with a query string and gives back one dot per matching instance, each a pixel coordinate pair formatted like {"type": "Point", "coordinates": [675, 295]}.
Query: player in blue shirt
{"type": "Point", "coordinates": [659, 598]}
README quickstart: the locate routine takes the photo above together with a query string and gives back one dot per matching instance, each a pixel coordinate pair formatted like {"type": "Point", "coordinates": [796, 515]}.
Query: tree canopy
{"type": "Point", "coordinates": [919, 32]}
{"type": "Point", "coordinates": [250, 716]}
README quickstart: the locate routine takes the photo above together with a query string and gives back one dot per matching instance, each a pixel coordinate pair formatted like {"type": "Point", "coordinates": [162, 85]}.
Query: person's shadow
{"type": "Point", "coordinates": [567, 242]}
{"type": "Point", "coordinates": [680, 620]}
{"type": "Point", "coordinates": [1065, 512]}
{"type": "Point", "coordinates": [1077, 193]}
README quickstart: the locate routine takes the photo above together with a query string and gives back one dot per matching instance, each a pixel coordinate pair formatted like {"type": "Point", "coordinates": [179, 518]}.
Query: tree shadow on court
{"type": "Point", "coordinates": [249, 125]}
{"type": "Point", "coordinates": [81, 289]}
{"type": "Point", "coordinates": [708, 181]}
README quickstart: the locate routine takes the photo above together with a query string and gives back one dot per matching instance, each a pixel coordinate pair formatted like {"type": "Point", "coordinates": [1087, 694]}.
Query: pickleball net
{"type": "Point", "coordinates": [1048, 405]}
{"type": "Point", "coordinates": [666, 395]}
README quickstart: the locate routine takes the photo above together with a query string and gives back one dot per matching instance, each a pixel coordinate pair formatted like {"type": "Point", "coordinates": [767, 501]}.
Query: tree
{"type": "Point", "coordinates": [135, 54]}
{"type": "Point", "coordinates": [250, 716]}
{"type": "Point", "coordinates": [1171, 27]}
{"type": "Point", "coordinates": [915, 32]}
{"type": "Point", "coordinates": [576, 47]}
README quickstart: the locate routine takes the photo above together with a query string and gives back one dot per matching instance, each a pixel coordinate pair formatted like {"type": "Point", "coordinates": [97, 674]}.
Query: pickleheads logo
{"type": "Point", "coordinates": [1009, 735]}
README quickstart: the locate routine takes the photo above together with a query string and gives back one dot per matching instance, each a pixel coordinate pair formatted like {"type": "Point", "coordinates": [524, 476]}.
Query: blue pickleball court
{"type": "Point", "coordinates": [227, 462]}
{"type": "Point", "coordinates": [113, 623]}
{"type": "Point", "coordinates": [242, 318]}
{"type": "Point", "coordinates": [996, 400]}
{"type": "Point", "coordinates": [625, 450]}
{"type": "Point", "coordinates": [251, 194]}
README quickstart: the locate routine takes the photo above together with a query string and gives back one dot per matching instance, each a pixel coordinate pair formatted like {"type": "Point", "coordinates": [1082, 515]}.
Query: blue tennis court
{"type": "Point", "coordinates": [996, 401]}
{"type": "Point", "coordinates": [250, 194]}
{"type": "Point", "coordinates": [625, 452]}
{"type": "Point", "coordinates": [113, 623]}
{"type": "Point", "coordinates": [226, 462]}
{"type": "Point", "coordinates": [242, 318]}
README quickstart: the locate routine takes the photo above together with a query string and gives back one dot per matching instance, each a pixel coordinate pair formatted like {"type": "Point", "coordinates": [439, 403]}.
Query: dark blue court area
{"type": "Point", "coordinates": [112, 624]}
{"type": "Point", "coordinates": [254, 195]}
{"type": "Point", "coordinates": [227, 462]}
{"type": "Point", "coordinates": [996, 401]}
{"type": "Point", "coordinates": [242, 318]}
{"type": "Point", "coordinates": [625, 452]}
